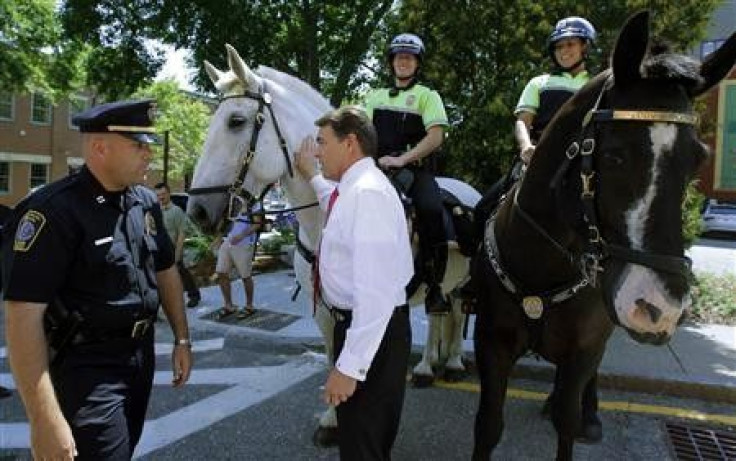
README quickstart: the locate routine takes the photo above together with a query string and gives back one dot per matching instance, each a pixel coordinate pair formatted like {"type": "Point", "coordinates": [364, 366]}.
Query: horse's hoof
{"type": "Point", "coordinates": [422, 381]}
{"type": "Point", "coordinates": [591, 432]}
{"type": "Point", "coordinates": [325, 437]}
{"type": "Point", "coordinates": [453, 376]}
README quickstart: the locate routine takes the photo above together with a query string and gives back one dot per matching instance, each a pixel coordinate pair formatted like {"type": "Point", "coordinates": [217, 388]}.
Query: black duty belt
{"type": "Point", "coordinates": [135, 331]}
{"type": "Point", "coordinates": [346, 315]}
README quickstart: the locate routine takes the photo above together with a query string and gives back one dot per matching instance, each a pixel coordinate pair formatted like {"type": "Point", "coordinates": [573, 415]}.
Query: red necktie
{"type": "Point", "coordinates": [316, 289]}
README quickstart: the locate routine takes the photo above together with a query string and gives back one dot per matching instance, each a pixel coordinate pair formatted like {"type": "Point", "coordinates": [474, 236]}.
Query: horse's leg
{"type": "Point", "coordinates": [422, 374]}
{"type": "Point", "coordinates": [547, 407]}
{"type": "Point", "coordinates": [592, 429]}
{"type": "Point", "coordinates": [494, 360]}
{"type": "Point", "coordinates": [453, 341]}
{"type": "Point", "coordinates": [326, 433]}
{"type": "Point", "coordinates": [573, 376]}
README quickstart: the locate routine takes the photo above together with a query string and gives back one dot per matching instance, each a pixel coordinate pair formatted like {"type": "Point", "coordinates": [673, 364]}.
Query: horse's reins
{"type": "Point", "coordinates": [596, 248]}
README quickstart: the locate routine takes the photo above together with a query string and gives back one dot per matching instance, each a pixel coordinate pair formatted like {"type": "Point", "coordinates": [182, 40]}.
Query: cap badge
{"type": "Point", "coordinates": [152, 112]}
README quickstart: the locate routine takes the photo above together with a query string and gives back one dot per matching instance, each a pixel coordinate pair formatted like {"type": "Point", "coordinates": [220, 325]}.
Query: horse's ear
{"type": "Point", "coordinates": [214, 74]}
{"type": "Point", "coordinates": [241, 69]}
{"type": "Point", "coordinates": [631, 47]}
{"type": "Point", "coordinates": [717, 65]}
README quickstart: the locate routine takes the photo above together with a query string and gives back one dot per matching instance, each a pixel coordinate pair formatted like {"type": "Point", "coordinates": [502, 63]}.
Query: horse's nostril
{"type": "Point", "coordinates": [654, 312]}
{"type": "Point", "coordinates": [198, 214]}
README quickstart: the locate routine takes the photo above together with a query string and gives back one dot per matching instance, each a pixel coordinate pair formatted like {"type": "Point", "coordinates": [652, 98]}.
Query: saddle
{"type": "Point", "coordinates": [457, 217]}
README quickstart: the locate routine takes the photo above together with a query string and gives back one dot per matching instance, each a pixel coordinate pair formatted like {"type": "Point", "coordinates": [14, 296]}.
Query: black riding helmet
{"type": "Point", "coordinates": [405, 43]}
{"type": "Point", "coordinates": [571, 27]}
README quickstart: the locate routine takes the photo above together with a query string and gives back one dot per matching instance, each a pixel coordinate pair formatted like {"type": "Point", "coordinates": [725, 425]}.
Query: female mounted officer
{"type": "Point", "coordinates": [410, 120]}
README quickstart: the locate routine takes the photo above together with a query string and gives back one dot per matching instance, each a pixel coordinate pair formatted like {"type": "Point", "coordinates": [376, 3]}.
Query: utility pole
{"type": "Point", "coordinates": [166, 157]}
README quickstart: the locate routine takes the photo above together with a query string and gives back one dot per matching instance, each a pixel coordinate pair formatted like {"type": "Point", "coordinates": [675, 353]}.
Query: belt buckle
{"type": "Point", "coordinates": [139, 328]}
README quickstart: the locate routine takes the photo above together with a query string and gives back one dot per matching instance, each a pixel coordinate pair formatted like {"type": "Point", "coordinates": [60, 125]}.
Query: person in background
{"type": "Point", "coordinates": [237, 249]}
{"type": "Point", "coordinates": [410, 120]}
{"type": "Point", "coordinates": [177, 226]}
{"type": "Point", "coordinates": [81, 343]}
{"type": "Point", "coordinates": [364, 263]}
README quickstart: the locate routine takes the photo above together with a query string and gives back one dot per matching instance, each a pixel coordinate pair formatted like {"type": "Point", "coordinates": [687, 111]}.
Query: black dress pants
{"type": "Point", "coordinates": [103, 390]}
{"type": "Point", "coordinates": [369, 420]}
{"type": "Point", "coordinates": [427, 199]}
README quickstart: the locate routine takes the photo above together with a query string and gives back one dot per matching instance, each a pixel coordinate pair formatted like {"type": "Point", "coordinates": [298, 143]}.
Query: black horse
{"type": "Point", "coordinates": [592, 234]}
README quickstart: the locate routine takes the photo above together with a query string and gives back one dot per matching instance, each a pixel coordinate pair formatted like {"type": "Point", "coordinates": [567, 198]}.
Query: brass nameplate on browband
{"type": "Point", "coordinates": [646, 116]}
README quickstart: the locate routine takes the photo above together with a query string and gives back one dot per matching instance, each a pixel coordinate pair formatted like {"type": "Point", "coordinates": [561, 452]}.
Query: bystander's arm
{"type": "Point", "coordinates": [51, 436]}
{"type": "Point", "coordinates": [172, 301]}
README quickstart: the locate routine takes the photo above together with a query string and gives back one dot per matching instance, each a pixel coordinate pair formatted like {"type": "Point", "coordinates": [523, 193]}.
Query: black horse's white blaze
{"type": "Point", "coordinates": [642, 288]}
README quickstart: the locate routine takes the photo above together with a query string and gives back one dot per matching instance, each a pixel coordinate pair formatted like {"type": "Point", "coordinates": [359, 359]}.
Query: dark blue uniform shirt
{"type": "Point", "coordinates": [96, 251]}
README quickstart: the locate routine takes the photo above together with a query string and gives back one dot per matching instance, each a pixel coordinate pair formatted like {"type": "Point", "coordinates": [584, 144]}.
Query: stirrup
{"type": "Point", "coordinates": [437, 303]}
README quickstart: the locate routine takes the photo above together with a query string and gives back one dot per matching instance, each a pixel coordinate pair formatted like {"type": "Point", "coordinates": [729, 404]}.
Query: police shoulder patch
{"type": "Point", "coordinates": [29, 228]}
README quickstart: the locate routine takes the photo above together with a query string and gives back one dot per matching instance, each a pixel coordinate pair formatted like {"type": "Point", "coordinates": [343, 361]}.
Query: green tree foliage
{"type": "Point", "coordinates": [481, 54]}
{"type": "Point", "coordinates": [33, 54]}
{"type": "Point", "coordinates": [323, 42]}
{"type": "Point", "coordinates": [185, 118]}
{"type": "Point", "coordinates": [121, 57]}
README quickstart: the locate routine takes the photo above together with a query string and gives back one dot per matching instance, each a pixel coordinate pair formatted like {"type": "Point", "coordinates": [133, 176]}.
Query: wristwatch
{"type": "Point", "coordinates": [183, 342]}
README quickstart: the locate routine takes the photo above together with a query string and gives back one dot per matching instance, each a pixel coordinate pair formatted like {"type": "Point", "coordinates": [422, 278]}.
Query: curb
{"type": "Point", "coordinates": [695, 388]}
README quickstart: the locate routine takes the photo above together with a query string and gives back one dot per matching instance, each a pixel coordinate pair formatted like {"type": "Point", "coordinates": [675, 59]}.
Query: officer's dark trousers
{"type": "Point", "coordinates": [103, 391]}
{"type": "Point", "coordinates": [425, 195]}
{"type": "Point", "coordinates": [190, 286]}
{"type": "Point", "coordinates": [369, 420]}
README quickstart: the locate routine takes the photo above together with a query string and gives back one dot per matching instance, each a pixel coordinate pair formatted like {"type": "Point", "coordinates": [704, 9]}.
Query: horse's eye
{"type": "Point", "coordinates": [236, 121]}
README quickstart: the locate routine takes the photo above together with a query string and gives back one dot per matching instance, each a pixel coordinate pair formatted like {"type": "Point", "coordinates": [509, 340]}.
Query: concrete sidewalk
{"type": "Point", "coordinates": [700, 362]}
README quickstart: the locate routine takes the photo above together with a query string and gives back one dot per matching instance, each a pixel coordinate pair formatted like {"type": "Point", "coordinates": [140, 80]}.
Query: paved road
{"type": "Point", "coordinates": [715, 255]}
{"type": "Point", "coordinates": [260, 401]}
{"type": "Point", "coordinates": [247, 403]}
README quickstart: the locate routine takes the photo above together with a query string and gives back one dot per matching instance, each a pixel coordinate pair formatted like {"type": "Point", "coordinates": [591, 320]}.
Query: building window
{"type": "Point", "coordinates": [4, 177]}
{"type": "Point", "coordinates": [77, 104]}
{"type": "Point", "coordinates": [6, 106]}
{"type": "Point", "coordinates": [39, 175]}
{"type": "Point", "coordinates": [41, 109]}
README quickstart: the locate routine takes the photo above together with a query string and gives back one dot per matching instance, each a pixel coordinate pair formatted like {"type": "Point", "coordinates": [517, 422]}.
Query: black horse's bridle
{"type": "Point", "coordinates": [596, 248]}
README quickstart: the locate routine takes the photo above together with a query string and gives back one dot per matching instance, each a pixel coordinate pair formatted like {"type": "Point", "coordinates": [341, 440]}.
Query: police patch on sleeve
{"type": "Point", "coordinates": [29, 228]}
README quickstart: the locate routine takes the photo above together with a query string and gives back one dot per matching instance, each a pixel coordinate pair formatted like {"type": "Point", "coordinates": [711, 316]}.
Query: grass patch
{"type": "Point", "coordinates": [714, 298]}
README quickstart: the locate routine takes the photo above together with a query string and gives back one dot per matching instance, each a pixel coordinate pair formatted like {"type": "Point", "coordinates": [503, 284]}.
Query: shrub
{"type": "Point", "coordinates": [691, 217]}
{"type": "Point", "coordinates": [713, 298]}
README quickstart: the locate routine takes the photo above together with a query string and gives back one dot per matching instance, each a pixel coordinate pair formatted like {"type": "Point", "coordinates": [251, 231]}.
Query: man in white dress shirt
{"type": "Point", "coordinates": [365, 262]}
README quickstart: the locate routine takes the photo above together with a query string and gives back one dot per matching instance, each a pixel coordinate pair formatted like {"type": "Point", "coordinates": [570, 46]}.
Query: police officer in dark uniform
{"type": "Point", "coordinates": [88, 266]}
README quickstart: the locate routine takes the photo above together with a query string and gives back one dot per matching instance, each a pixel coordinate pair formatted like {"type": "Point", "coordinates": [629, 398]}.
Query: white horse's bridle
{"type": "Point", "coordinates": [235, 190]}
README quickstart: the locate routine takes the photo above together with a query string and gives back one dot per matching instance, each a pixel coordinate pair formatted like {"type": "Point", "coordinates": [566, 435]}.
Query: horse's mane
{"type": "Point", "coordinates": [293, 84]}
{"type": "Point", "coordinates": [663, 64]}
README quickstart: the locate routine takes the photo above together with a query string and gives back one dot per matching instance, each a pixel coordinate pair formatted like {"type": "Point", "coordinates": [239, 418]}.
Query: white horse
{"type": "Point", "coordinates": [260, 121]}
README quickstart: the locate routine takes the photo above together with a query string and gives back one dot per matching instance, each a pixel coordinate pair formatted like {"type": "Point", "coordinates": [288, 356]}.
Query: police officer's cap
{"type": "Point", "coordinates": [133, 119]}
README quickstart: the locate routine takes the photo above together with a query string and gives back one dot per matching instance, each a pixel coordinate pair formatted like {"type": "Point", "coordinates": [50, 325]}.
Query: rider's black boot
{"type": "Point", "coordinates": [435, 302]}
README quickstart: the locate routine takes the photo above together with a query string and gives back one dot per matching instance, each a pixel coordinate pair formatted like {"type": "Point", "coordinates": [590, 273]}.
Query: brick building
{"type": "Point", "coordinates": [38, 143]}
